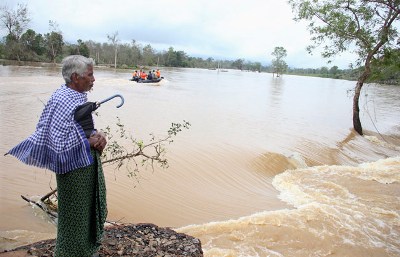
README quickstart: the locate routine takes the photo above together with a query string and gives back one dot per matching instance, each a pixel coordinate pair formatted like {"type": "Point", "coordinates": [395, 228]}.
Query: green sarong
{"type": "Point", "coordinates": [82, 210]}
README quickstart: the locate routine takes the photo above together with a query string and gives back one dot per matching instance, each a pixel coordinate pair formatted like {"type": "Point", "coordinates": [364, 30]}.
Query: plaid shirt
{"type": "Point", "coordinates": [59, 142]}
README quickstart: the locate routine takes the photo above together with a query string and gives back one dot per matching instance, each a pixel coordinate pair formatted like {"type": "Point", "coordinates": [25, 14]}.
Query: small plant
{"type": "Point", "coordinates": [123, 150]}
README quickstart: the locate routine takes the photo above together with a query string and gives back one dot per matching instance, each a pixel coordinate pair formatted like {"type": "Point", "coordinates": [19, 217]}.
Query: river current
{"type": "Point", "coordinates": [269, 166]}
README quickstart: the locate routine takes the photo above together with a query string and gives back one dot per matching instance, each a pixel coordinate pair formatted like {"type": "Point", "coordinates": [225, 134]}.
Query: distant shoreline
{"type": "Point", "coordinates": [6, 62]}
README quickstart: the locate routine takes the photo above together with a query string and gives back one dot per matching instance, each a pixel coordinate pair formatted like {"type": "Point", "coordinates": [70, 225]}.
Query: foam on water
{"type": "Point", "coordinates": [343, 210]}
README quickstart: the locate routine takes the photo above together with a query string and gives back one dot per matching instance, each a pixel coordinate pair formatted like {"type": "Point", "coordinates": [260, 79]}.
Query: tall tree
{"type": "Point", "coordinates": [16, 22]}
{"type": "Point", "coordinates": [114, 41]}
{"type": "Point", "coordinates": [136, 52]}
{"type": "Point", "coordinates": [238, 64]}
{"type": "Point", "coordinates": [54, 41]}
{"type": "Point", "coordinates": [366, 27]}
{"type": "Point", "coordinates": [94, 49]}
{"type": "Point", "coordinates": [148, 55]}
{"type": "Point", "coordinates": [278, 64]}
{"type": "Point", "coordinates": [32, 45]}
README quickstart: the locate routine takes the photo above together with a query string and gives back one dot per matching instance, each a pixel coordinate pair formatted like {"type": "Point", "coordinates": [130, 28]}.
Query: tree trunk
{"type": "Point", "coordinates": [356, 109]}
{"type": "Point", "coordinates": [357, 91]}
{"type": "Point", "coordinates": [115, 58]}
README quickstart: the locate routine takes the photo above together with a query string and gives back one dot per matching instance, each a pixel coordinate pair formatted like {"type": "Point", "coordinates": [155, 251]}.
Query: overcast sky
{"type": "Point", "coordinates": [221, 29]}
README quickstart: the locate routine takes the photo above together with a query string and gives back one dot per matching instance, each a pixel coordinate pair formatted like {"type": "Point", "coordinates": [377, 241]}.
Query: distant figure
{"type": "Point", "coordinates": [150, 76]}
{"type": "Point", "coordinates": [143, 75]}
{"type": "Point", "coordinates": [135, 76]}
{"type": "Point", "coordinates": [158, 73]}
{"type": "Point", "coordinates": [155, 75]}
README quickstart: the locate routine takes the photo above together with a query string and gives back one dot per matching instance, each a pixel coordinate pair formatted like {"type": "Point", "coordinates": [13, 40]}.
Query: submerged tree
{"type": "Point", "coordinates": [365, 27]}
{"type": "Point", "coordinates": [278, 64]}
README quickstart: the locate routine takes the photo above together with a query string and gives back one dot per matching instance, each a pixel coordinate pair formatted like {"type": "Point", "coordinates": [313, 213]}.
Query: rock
{"type": "Point", "coordinates": [142, 239]}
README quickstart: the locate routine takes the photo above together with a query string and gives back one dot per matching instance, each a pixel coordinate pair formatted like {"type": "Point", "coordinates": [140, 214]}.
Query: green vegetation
{"type": "Point", "coordinates": [25, 44]}
{"type": "Point", "coordinates": [367, 28]}
{"type": "Point", "coordinates": [278, 64]}
{"type": "Point", "coordinates": [123, 150]}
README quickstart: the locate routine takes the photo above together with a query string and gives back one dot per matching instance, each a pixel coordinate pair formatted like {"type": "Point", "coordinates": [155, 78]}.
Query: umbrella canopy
{"type": "Point", "coordinates": [83, 114]}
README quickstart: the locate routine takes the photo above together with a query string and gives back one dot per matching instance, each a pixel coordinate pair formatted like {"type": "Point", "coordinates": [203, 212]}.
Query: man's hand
{"type": "Point", "coordinates": [98, 141]}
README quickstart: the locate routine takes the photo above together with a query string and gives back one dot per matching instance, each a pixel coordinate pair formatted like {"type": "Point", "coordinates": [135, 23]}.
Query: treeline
{"type": "Point", "coordinates": [324, 72]}
{"type": "Point", "coordinates": [134, 54]}
{"type": "Point", "coordinates": [24, 44]}
{"type": "Point", "coordinates": [386, 73]}
{"type": "Point", "coordinates": [51, 47]}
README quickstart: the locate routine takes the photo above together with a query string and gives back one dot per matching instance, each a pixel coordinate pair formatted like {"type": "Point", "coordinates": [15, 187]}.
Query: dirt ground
{"type": "Point", "coordinates": [127, 240]}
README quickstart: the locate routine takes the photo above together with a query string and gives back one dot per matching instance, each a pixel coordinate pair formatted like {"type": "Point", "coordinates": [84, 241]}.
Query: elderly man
{"type": "Point", "coordinates": [61, 145]}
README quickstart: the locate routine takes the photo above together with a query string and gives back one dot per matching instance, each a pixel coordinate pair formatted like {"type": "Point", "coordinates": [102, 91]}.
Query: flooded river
{"type": "Point", "coordinates": [269, 167]}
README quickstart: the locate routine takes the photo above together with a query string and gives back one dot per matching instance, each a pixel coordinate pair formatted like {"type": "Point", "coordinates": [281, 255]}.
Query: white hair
{"type": "Point", "coordinates": [75, 64]}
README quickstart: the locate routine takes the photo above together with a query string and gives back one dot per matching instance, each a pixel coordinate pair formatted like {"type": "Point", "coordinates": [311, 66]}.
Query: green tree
{"type": "Point", "coordinates": [2, 50]}
{"type": "Point", "coordinates": [210, 62]}
{"type": "Point", "coordinates": [324, 71]}
{"type": "Point", "coordinates": [148, 55]}
{"type": "Point", "coordinates": [136, 52]}
{"type": "Point", "coordinates": [33, 45]}
{"type": "Point", "coordinates": [257, 66]}
{"type": "Point", "coordinates": [16, 22]}
{"type": "Point", "coordinates": [54, 41]}
{"type": "Point", "coordinates": [182, 58]}
{"type": "Point", "coordinates": [333, 71]}
{"type": "Point", "coordinates": [238, 64]}
{"type": "Point", "coordinates": [278, 64]}
{"type": "Point", "coordinates": [366, 27]}
{"type": "Point", "coordinates": [83, 49]}
{"type": "Point", "coordinates": [80, 48]}
{"type": "Point", "coordinates": [386, 69]}
{"type": "Point", "coordinates": [171, 59]}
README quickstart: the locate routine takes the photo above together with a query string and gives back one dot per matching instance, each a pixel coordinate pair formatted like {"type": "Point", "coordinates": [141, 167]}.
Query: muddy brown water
{"type": "Point", "coordinates": [269, 167]}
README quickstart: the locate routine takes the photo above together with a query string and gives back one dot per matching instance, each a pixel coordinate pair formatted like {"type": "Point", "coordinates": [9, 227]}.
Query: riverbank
{"type": "Point", "coordinates": [127, 240]}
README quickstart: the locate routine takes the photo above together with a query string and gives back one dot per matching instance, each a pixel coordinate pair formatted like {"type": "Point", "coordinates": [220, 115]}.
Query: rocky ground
{"type": "Point", "coordinates": [127, 240]}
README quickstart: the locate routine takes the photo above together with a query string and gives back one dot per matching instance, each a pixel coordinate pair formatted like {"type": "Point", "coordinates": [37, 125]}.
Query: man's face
{"type": "Point", "coordinates": [84, 82]}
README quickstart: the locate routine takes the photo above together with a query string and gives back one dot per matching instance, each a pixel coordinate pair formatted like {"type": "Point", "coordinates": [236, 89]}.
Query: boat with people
{"type": "Point", "coordinates": [138, 80]}
{"type": "Point", "coordinates": [152, 77]}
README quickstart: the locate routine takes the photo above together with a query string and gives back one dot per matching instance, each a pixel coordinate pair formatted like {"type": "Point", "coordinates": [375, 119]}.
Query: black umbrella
{"type": "Point", "coordinates": [83, 113]}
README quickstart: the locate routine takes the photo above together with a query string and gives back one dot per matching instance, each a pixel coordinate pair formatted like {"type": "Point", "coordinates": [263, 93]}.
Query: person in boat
{"type": "Point", "coordinates": [158, 73]}
{"type": "Point", "coordinates": [140, 73]}
{"type": "Point", "coordinates": [150, 76]}
{"type": "Point", "coordinates": [143, 75]}
{"type": "Point", "coordinates": [135, 76]}
{"type": "Point", "coordinates": [60, 145]}
{"type": "Point", "coordinates": [155, 75]}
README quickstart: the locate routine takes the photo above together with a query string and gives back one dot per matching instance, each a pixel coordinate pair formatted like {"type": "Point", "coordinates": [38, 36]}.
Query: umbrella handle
{"type": "Point", "coordinates": [111, 97]}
